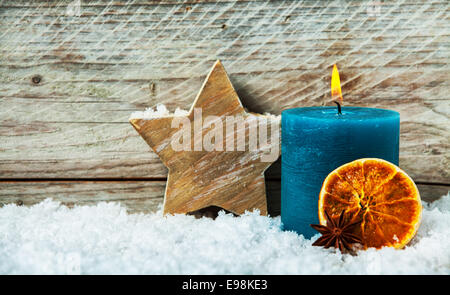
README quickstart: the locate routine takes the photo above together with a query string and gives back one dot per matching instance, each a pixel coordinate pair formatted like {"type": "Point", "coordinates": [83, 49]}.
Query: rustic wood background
{"type": "Point", "coordinates": [71, 72]}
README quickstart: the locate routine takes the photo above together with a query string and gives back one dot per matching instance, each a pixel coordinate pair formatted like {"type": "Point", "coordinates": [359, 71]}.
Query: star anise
{"type": "Point", "coordinates": [337, 233]}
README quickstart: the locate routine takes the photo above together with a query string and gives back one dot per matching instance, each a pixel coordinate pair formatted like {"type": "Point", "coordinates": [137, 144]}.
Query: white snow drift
{"type": "Point", "coordinates": [50, 239]}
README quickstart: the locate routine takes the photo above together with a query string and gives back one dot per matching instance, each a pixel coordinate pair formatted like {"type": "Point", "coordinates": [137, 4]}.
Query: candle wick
{"type": "Point", "coordinates": [338, 107]}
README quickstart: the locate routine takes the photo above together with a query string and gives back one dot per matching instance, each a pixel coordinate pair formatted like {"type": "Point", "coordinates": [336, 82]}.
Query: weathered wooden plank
{"type": "Point", "coordinates": [137, 196]}
{"type": "Point", "coordinates": [92, 69]}
{"type": "Point", "coordinates": [430, 193]}
{"type": "Point", "coordinates": [88, 150]}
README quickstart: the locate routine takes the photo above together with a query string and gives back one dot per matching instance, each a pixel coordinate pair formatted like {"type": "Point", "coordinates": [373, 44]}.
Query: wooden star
{"type": "Point", "coordinates": [228, 177]}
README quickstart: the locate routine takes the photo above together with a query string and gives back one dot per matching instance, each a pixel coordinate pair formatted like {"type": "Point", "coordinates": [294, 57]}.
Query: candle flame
{"type": "Point", "coordinates": [336, 93]}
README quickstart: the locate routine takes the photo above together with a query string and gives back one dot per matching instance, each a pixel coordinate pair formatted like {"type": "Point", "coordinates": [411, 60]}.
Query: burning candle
{"type": "Point", "coordinates": [317, 140]}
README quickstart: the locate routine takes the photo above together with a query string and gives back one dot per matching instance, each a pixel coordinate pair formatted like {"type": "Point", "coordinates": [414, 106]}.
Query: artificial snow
{"type": "Point", "coordinates": [49, 238]}
{"type": "Point", "coordinates": [157, 112]}
{"type": "Point", "coordinates": [160, 110]}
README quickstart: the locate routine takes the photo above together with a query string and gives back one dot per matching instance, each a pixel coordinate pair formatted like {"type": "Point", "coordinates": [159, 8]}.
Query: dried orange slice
{"type": "Point", "coordinates": [380, 193]}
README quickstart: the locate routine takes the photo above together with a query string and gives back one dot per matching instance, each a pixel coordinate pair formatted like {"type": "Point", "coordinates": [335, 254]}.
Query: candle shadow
{"type": "Point", "coordinates": [273, 188]}
{"type": "Point", "coordinates": [249, 101]}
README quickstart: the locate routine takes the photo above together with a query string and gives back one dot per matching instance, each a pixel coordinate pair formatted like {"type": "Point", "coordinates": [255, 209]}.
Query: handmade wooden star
{"type": "Point", "coordinates": [213, 169]}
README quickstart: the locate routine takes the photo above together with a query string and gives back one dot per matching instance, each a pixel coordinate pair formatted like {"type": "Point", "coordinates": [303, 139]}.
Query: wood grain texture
{"type": "Point", "coordinates": [226, 171]}
{"type": "Point", "coordinates": [137, 196]}
{"type": "Point", "coordinates": [92, 69]}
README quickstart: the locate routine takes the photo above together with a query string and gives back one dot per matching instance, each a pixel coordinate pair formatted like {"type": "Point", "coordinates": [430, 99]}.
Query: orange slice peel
{"type": "Point", "coordinates": [378, 192]}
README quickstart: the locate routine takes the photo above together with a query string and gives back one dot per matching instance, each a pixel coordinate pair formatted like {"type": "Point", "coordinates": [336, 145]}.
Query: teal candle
{"type": "Point", "coordinates": [317, 140]}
